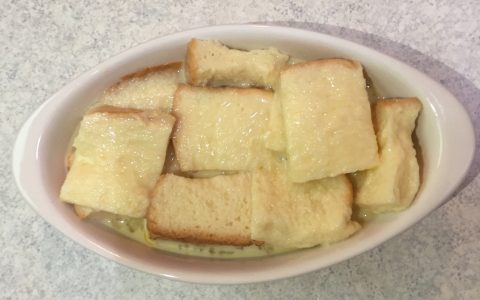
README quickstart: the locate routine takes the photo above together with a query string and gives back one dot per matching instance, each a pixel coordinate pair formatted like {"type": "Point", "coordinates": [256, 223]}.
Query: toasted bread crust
{"type": "Point", "coordinates": [349, 63]}
{"type": "Point", "coordinates": [144, 115]}
{"type": "Point", "coordinates": [174, 66]}
{"type": "Point", "coordinates": [149, 88]}
{"type": "Point", "coordinates": [82, 211]}
{"type": "Point", "coordinates": [348, 182]}
{"type": "Point", "coordinates": [197, 236]}
{"type": "Point", "coordinates": [110, 109]}
{"type": "Point", "coordinates": [413, 101]}
{"type": "Point", "coordinates": [256, 67]}
{"type": "Point", "coordinates": [191, 62]}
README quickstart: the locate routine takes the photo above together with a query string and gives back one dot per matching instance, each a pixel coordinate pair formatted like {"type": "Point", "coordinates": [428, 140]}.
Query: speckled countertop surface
{"type": "Point", "coordinates": [44, 44]}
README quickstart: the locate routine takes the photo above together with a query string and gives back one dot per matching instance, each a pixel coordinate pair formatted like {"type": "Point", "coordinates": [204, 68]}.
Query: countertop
{"type": "Point", "coordinates": [45, 44]}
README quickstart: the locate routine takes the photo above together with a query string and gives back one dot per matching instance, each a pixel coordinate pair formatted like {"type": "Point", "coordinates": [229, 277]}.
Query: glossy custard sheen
{"type": "Point", "coordinates": [136, 229]}
{"type": "Point", "coordinates": [229, 139]}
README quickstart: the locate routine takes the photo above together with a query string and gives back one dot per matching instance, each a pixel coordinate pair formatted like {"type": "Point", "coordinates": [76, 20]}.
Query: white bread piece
{"type": "Point", "coordinates": [393, 184]}
{"type": "Point", "coordinates": [275, 136]}
{"type": "Point", "coordinates": [118, 159]}
{"type": "Point", "coordinates": [151, 88]}
{"type": "Point", "coordinates": [214, 210]}
{"type": "Point", "coordinates": [209, 62]}
{"type": "Point", "coordinates": [219, 128]}
{"type": "Point", "coordinates": [327, 118]}
{"type": "Point", "coordinates": [300, 215]}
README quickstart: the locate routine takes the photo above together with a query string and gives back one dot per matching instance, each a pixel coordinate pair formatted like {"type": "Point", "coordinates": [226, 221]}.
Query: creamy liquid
{"type": "Point", "coordinates": [136, 229]}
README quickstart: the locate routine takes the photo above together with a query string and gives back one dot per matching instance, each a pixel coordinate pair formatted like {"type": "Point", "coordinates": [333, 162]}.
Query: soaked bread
{"type": "Point", "coordinates": [328, 126]}
{"type": "Point", "coordinates": [118, 159]}
{"type": "Point", "coordinates": [212, 63]}
{"type": "Point", "coordinates": [393, 184]}
{"type": "Point", "coordinates": [210, 210]}
{"type": "Point", "coordinates": [219, 128]}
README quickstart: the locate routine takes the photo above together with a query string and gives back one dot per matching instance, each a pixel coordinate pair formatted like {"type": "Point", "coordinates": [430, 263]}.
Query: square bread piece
{"type": "Point", "coordinates": [151, 88]}
{"type": "Point", "coordinates": [393, 184]}
{"type": "Point", "coordinates": [328, 125]}
{"type": "Point", "coordinates": [213, 210]}
{"type": "Point", "coordinates": [212, 63]}
{"type": "Point", "coordinates": [219, 128]}
{"type": "Point", "coordinates": [300, 215]}
{"type": "Point", "coordinates": [118, 159]}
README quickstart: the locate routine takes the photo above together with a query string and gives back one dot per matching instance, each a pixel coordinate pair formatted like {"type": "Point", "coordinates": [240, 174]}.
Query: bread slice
{"type": "Point", "coordinates": [219, 128]}
{"type": "Point", "coordinates": [118, 158]}
{"type": "Point", "coordinates": [151, 88]}
{"type": "Point", "coordinates": [393, 184]}
{"type": "Point", "coordinates": [275, 136]}
{"type": "Point", "coordinates": [327, 118]}
{"type": "Point", "coordinates": [212, 63]}
{"type": "Point", "coordinates": [300, 215]}
{"type": "Point", "coordinates": [214, 210]}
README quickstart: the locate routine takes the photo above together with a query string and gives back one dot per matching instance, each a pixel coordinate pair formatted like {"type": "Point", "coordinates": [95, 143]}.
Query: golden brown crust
{"type": "Point", "coordinates": [82, 211]}
{"type": "Point", "coordinates": [391, 103]}
{"type": "Point", "coordinates": [174, 66]}
{"type": "Point", "coordinates": [352, 64]}
{"type": "Point", "coordinates": [70, 157]}
{"type": "Point", "coordinates": [196, 236]}
{"type": "Point", "coordinates": [191, 62]}
{"type": "Point", "coordinates": [350, 188]}
{"type": "Point", "coordinates": [144, 115]}
{"type": "Point", "coordinates": [110, 109]}
{"type": "Point", "coordinates": [398, 101]}
{"type": "Point", "coordinates": [237, 90]}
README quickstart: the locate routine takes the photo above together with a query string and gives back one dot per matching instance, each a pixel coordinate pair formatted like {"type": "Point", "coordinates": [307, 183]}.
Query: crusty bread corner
{"type": "Point", "coordinates": [209, 62]}
{"type": "Point", "coordinates": [398, 104]}
{"type": "Point", "coordinates": [150, 88]}
{"type": "Point", "coordinates": [69, 158]}
{"type": "Point", "coordinates": [393, 184]}
{"type": "Point", "coordinates": [82, 212]}
{"type": "Point", "coordinates": [191, 62]}
{"type": "Point", "coordinates": [344, 62]}
{"type": "Point", "coordinates": [119, 156]}
{"type": "Point", "coordinates": [147, 116]}
{"type": "Point", "coordinates": [214, 210]}
{"type": "Point", "coordinates": [173, 66]}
